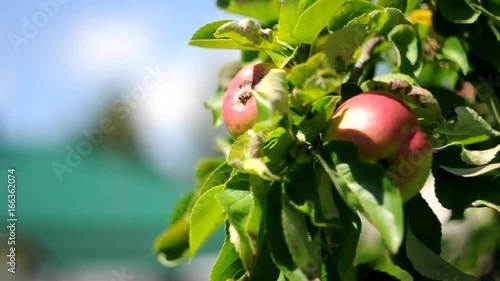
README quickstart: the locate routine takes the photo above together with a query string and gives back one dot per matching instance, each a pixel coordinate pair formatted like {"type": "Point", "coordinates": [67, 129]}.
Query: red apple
{"type": "Point", "coordinates": [239, 108]}
{"type": "Point", "coordinates": [386, 131]}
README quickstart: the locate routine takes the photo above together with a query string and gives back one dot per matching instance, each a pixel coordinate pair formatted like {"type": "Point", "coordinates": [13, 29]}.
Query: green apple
{"type": "Point", "coordinates": [239, 108]}
{"type": "Point", "coordinates": [386, 131]}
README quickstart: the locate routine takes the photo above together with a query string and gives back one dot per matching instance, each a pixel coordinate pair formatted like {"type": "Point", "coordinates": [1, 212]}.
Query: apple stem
{"type": "Point", "coordinates": [364, 57]}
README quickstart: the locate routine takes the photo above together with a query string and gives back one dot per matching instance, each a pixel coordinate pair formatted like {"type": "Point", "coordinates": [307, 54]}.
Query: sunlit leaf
{"type": "Point", "coordinates": [172, 245]}
{"type": "Point", "coordinates": [454, 51]}
{"type": "Point", "coordinates": [237, 201]}
{"type": "Point", "coordinates": [481, 157]}
{"type": "Point", "coordinates": [272, 99]}
{"type": "Point", "coordinates": [205, 38]}
{"type": "Point", "coordinates": [263, 10]}
{"type": "Point", "coordinates": [313, 19]}
{"type": "Point", "coordinates": [469, 128]}
{"type": "Point", "coordinates": [367, 188]}
{"type": "Point", "coordinates": [349, 11]}
{"type": "Point", "coordinates": [287, 21]}
{"type": "Point", "coordinates": [206, 217]}
{"type": "Point", "coordinates": [246, 32]}
{"type": "Point", "coordinates": [228, 264]}
{"type": "Point", "coordinates": [409, 48]}
{"type": "Point", "coordinates": [246, 155]}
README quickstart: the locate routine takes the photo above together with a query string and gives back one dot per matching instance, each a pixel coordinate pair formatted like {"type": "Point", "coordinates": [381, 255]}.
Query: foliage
{"type": "Point", "coordinates": [295, 209]}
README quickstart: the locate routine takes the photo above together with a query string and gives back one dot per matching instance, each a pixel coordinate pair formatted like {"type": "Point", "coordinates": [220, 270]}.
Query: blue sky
{"type": "Point", "coordinates": [84, 45]}
{"type": "Point", "coordinates": [57, 77]}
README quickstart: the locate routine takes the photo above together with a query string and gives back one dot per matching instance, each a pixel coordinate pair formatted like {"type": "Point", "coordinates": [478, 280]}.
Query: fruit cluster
{"type": "Point", "coordinates": [384, 128]}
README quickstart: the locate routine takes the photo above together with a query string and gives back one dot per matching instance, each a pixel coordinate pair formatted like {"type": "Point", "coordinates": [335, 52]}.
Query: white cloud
{"type": "Point", "coordinates": [164, 121]}
{"type": "Point", "coordinates": [105, 46]}
{"type": "Point", "coordinates": [169, 104]}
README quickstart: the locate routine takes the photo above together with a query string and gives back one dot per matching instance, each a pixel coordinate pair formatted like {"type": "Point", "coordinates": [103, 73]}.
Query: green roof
{"type": "Point", "coordinates": [111, 205]}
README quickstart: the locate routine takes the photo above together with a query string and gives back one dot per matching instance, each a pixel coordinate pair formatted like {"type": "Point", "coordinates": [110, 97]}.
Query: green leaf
{"type": "Point", "coordinates": [173, 244]}
{"type": "Point", "coordinates": [264, 10]}
{"type": "Point", "coordinates": [424, 223]}
{"type": "Point", "coordinates": [303, 250]}
{"type": "Point", "coordinates": [349, 11]}
{"type": "Point", "coordinates": [246, 32]}
{"type": "Point", "coordinates": [381, 22]}
{"type": "Point", "coordinates": [430, 264]}
{"type": "Point", "coordinates": [304, 5]}
{"type": "Point", "coordinates": [366, 188]}
{"type": "Point", "coordinates": [349, 90]}
{"type": "Point", "coordinates": [206, 167]}
{"type": "Point", "coordinates": [277, 148]}
{"type": "Point", "coordinates": [472, 172]}
{"type": "Point", "coordinates": [481, 39]}
{"type": "Point", "coordinates": [409, 48]}
{"type": "Point", "coordinates": [310, 191]}
{"type": "Point", "coordinates": [395, 76]}
{"type": "Point", "coordinates": [457, 11]}
{"type": "Point", "coordinates": [480, 157]}
{"type": "Point", "coordinates": [314, 19]}
{"type": "Point", "coordinates": [320, 85]}
{"type": "Point", "coordinates": [345, 238]}
{"type": "Point", "coordinates": [328, 269]}
{"type": "Point", "coordinates": [219, 176]}
{"type": "Point", "coordinates": [272, 99]}
{"type": "Point", "coordinates": [301, 72]}
{"type": "Point", "coordinates": [493, 14]}
{"type": "Point", "coordinates": [237, 202]}
{"type": "Point", "coordinates": [454, 51]}
{"type": "Point", "coordinates": [468, 129]}
{"type": "Point", "coordinates": [287, 21]}
{"type": "Point", "coordinates": [205, 38]}
{"type": "Point", "coordinates": [228, 264]}
{"type": "Point", "coordinates": [275, 236]}
{"type": "Point", "coordinates": [398, 4]}
{"type": "Point", "coordinates": [411, 5]}
{"type": "Point", "coordinates": [182, 207]}
{"type": "Point", "coordinates": [206, 217]}
{"type": "Point", "coordinates": [250, 56]}
{"type": "Point", "coordinates": [264, 268]}
{"type": "Point", "coordinates": [458, 193]}
{"type": "Point", "coordinates": [434, 75]}
{"type": "Point", "coordinates": [259, 189]}
{"type": "Point", "coordinates": [341, 45]}
{"type": "Point", "coordinates": [246, 155]}
{"type": "Point", "coordinates": [319, 117]}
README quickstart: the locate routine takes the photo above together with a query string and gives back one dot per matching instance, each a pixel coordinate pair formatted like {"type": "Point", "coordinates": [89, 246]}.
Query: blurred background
{"type": "Point", "coordinates": [102, 117]}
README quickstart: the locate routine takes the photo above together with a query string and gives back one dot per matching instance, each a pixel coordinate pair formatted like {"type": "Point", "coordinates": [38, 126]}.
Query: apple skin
{"type": "Point", "coordinates": [239, 108]}
{"type": "Point", "coordinates": [386, 131]}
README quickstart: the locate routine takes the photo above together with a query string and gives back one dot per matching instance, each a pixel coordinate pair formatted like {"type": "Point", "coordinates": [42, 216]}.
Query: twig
{"type": "Point", "coordinates": [364, 57]}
